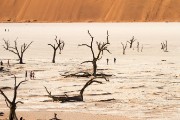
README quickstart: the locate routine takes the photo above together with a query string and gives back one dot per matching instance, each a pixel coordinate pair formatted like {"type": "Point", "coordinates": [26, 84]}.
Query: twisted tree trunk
{"type": "Point", "coordinates": [12, 115]}
{"type": "Point", "coordinates": [54, 57]}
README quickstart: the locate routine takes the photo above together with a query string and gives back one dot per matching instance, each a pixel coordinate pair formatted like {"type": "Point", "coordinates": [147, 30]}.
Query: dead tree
{"type": "Point", "coordinates": [58, 45]}
{"type": "Point", "coordinates": [131, 42]}
{"type": "Point", "coordinates": [12, 104]}
{"type": "Point", "coordinates": [138, 46]}
{"type": "Point", "coordinates": [164, 46]}
{"type": "Point", "coordinates": [142, 48]}
{"type": "Point", "coordinates": [124, 48]}
{"type": "Point", "coordinates": [19, 53]}
{"type": "Point", "coordinates": [80, 97]}
{"type": "Point", "coordinates": [101, 48]}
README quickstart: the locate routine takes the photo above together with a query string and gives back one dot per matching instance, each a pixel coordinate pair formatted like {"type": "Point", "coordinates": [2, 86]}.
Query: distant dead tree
{"type": "Point", "coordinates": [19, 53]}
{"type": "Point", "coordinates": [131, 41]}
{"type": "Point", "coordinates": [12, 104]}
{"type": "Point", "coordinates": [58, 45]}
{"type": "Point", "coordinates": [164, 46]}
{"type": "Point", "coordinates": [142, 48]}
{"type": "Point", "coordinates": [124, 48]}
{"type": "Point", "coordinates": [138, 46]}
{"type": "Point", "coordinates": [80, 97]}
{"type": "Point", "coordinates": [101, 48]}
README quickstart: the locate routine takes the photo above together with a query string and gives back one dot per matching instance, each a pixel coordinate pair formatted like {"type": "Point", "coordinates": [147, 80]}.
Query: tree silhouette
{"type": "Point", "coordinates": [58, 45]}
{"type": "Point", "coordinates": [12, 104]}
{"type": "Point", "coordinates": [124, 48]}
{"type": "Point", "coordinates": [15, 50]}
{"type": "Point", "coordinates": [101, 48]}
{"type": "Point", "coordinates": [131, 42]}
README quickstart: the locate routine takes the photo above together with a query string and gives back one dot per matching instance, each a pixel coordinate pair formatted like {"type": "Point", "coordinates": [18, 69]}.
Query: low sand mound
{"type": "Point", "coordinates": [89, 10]}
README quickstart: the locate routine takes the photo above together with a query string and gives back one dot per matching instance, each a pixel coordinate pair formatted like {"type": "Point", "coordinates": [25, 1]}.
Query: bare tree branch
{"type": "Point", "coordinates": [20, 83]}
{"type": "Point", "coordinates": [7, 103]}
{"type": "Point", "coordinates": [6, 98]}
{"type": "Point", "coordinates": [86, 62]}
{"type": "Point", "coordinates": [85, 45]}
{"type": "Point", "coordinates": [19, 102]}
{"type": "Point", "coordinates": [51, 46]}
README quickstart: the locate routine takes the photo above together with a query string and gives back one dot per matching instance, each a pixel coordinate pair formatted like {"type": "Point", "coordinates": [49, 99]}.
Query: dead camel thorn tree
{"type": "Point", "coordinates": [101, 48]}
{"type": "Point", "coordinates": [58, 45]}
{"type": "Point", "coordinates": [131, 41]}
{"type": "Point", "coordinates": [124, 48]}
{"type": "Point", "coordinates": [12, 104]}
{"type": "Point", "coordinates": [79, 97]}
{"type": "Point", "coordinates": [19, 53]}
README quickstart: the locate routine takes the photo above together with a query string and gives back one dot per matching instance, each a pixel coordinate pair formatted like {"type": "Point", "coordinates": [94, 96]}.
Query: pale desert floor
{"type": "Point", "coordinates": [145, 85]}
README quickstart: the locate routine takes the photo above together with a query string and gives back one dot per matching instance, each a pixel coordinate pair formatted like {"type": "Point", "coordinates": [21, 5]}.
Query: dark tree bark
{"type": "Point", "coordinates": [101, 48]}
{"type": "Point", "coordinates": [59, 45]}
{"type": "Point", "coordinates": [19, 53]}
{"type": "Point", "coordinates": [124, 48]}
{"type": "Point", "coordinates": [131, 42]}
{"type": "Point", "coordinates": [12, 104]}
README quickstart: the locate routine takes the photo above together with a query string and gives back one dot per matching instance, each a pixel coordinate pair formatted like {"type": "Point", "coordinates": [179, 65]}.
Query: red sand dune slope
{"type": "Point", "coordinates": [89, 10]}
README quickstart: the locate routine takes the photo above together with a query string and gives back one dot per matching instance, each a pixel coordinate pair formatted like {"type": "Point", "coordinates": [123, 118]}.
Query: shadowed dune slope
{"type": "Point", "coordinates": [89, 10]}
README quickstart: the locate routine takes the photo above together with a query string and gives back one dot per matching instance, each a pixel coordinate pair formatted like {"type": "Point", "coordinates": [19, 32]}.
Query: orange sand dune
{"type": "Point", "coordinates": [89, 10]}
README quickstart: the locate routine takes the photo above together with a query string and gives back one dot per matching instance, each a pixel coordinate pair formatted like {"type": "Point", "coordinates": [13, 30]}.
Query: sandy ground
{"type": "Point", "coordinates": [90, 11]}
{"type": "Point", "coordinates": [144, 85]}
{"type": "Point", "coordinates": [46, 115]}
